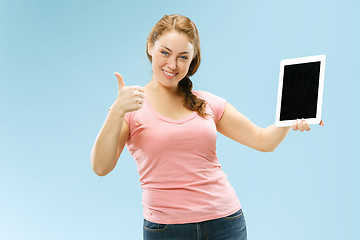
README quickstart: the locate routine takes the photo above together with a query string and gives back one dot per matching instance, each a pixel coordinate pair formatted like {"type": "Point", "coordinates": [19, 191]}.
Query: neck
{"type": "Point", "coordinates": [158, 89]}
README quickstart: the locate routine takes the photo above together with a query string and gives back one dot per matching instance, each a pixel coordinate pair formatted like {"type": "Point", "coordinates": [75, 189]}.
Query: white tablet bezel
{"type": "Point", "coordinates": [283, 63]}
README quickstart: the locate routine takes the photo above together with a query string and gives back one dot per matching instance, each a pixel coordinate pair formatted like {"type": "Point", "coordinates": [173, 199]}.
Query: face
{"type": "Point", "coordinates": [171, 57]}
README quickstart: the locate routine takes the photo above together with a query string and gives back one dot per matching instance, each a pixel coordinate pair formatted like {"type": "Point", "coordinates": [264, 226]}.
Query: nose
{"type": "Point", "coordinates": [172, 63]}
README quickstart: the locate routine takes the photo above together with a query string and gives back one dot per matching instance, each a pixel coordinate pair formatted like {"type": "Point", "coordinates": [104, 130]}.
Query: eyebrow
{"type": "Point", "coordinates": [171, 50]}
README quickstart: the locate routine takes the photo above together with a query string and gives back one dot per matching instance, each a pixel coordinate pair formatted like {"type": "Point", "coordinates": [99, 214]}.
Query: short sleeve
{"type": "Point", "coordinates": [215, 104]}
{"type": "Point", "coordinates": [129, 119]}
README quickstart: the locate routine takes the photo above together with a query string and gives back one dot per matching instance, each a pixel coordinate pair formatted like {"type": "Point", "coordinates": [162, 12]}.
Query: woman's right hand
{"type": "Point", "coordinates": [129, 99]}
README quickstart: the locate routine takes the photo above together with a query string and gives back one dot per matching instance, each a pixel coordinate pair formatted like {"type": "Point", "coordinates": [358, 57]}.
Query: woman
{"type": "Point", "coordinates": [170, 130]}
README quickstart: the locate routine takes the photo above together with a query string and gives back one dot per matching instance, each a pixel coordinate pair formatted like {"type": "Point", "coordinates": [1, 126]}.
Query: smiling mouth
{"type": "Point", "coordinates": [169, 74]}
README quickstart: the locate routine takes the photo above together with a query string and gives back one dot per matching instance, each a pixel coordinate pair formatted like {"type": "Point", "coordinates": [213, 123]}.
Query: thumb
{"type": "Point", "coordinates": [120, 80]}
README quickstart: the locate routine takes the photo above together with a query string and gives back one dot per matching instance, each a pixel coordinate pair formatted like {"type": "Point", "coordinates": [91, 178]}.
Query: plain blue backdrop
{"type": "Point", "coordinates": [57, 60]}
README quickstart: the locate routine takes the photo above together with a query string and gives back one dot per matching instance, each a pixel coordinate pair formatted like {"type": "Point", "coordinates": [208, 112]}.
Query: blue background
{"type": "Point", "coordinates": [57, 60]}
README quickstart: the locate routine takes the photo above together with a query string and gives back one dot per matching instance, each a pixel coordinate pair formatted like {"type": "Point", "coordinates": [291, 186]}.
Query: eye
{"type": "Point", "coordinates": [164, 53]}
{"type": "Point", "coordinates": [184, 58]}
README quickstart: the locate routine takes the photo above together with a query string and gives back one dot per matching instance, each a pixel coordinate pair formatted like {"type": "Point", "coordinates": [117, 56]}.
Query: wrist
{"type": "Point", "coordinates": [117, 112]}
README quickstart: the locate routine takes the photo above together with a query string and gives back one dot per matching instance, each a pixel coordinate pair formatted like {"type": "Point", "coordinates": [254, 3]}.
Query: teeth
{"type": "Point", "coordinates": [169, 74]}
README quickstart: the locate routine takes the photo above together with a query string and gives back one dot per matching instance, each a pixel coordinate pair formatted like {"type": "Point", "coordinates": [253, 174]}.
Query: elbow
{"type": "Point", "coordinates": [97, 169]}
{"type": "Point", "coordinates": [96, 165]}
{"type": "Point", "coordinates": [271, 149]}
{"type": "Point", "coordinates": [268, 149]}
{"type": "Point", "coordinates": [100, 172]}
{"type": "Point", "coordinates": [264, 143]}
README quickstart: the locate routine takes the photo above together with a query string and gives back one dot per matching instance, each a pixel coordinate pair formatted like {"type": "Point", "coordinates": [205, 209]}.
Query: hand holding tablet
{"type": "Point", "coordinates": [302, 125]}
{"type": "Point", "coordinates": [301, 84]}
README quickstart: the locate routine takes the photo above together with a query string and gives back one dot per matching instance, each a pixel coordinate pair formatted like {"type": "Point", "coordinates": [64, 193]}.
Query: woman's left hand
{"type": "Point", "coordinates": [302, 125]}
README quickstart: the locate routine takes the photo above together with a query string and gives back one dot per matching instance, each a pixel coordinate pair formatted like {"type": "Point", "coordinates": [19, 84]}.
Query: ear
{"type": "Point", "coordinates": [149, 48]}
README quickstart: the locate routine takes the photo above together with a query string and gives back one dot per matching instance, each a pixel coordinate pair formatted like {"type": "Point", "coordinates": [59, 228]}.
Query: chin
{"type": "Point", "coordinates": [169, 85]}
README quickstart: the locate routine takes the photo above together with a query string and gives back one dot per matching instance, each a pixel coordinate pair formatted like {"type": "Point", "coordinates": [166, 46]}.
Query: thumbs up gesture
{"type": "Point", "coordinates": [129, 99]}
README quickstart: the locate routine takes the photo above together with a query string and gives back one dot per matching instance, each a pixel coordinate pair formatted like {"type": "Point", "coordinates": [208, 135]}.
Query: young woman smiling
{"type": "Point", "coordinates": [170, 130]}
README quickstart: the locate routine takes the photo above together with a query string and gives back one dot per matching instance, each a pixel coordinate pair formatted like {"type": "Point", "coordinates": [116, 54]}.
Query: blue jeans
{"type": "Point", "coordinates": [232, 227]}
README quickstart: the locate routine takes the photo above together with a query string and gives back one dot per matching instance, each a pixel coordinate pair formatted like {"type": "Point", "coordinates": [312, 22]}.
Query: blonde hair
{"type": "Point", "coordinates": [184, 25]}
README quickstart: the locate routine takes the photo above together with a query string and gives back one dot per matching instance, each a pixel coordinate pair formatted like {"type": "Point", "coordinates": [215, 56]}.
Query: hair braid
{"type": "Point", "coordinates": [191, 101]}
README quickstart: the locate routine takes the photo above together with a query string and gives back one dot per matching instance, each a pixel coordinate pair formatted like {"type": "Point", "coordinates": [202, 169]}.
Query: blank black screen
{"type": "Point", "coordinates": [300, 91]}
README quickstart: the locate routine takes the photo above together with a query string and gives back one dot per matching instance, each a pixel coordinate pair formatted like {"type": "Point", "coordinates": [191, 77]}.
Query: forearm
{"type": "Point", "coordinates": [272, 136]}
{"type": "Point", "coordinates": [103, 154]}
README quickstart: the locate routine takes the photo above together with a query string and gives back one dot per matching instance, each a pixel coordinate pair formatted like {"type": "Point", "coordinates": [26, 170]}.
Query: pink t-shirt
{"type": "Point", "coordinates": [180, 175]}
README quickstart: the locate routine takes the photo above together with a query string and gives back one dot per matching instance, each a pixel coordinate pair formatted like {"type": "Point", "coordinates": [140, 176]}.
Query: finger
{"type": "Point", "coordinates": [321, 123]}
{"type": "Point", "coordinates": [139, 94]}
{"type": "Point", "coordinates": [294, 126]}
{"type": "Point", "coordinates": [140, 104]}
{"type": "Point", "coordinates": [306, 126]}
{"type": "Point", "coordinates": [120, 80]}
{"type": "Point", "coordinates": [140, 101]}
{"type": "Point", "coordinates": [301, 126]}
{"type": "Point", "coordinates": [139, 88]}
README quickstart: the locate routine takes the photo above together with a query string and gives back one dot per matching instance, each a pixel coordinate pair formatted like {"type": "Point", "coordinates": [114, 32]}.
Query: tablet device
{"type": "Point", "coordinates": [300, 92]}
